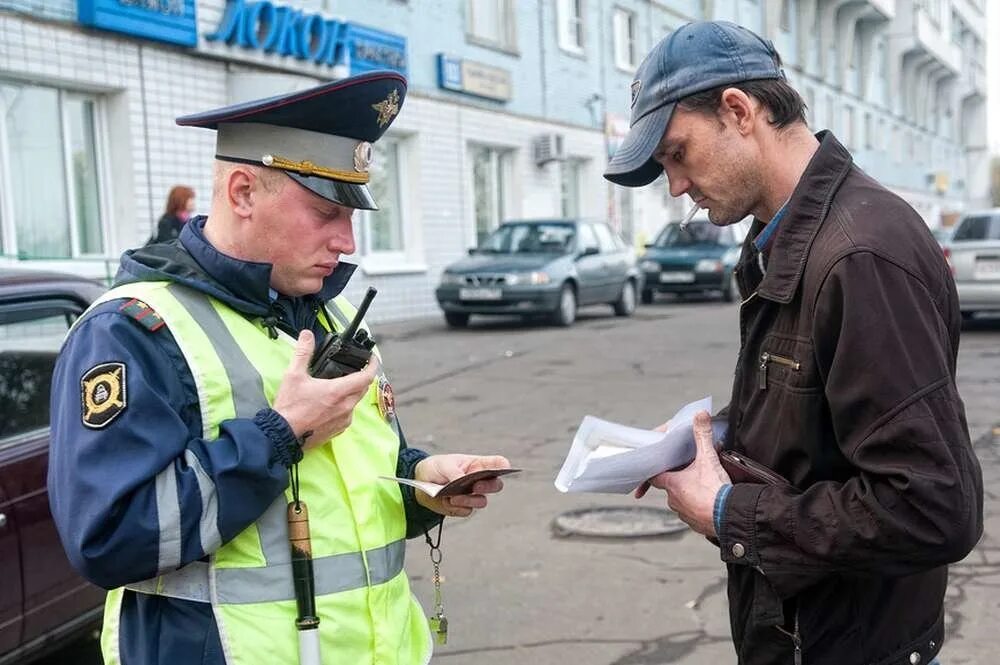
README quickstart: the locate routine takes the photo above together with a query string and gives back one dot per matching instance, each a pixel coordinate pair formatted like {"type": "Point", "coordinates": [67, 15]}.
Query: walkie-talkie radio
{"type": "Point", "coordinates": [347, 352]}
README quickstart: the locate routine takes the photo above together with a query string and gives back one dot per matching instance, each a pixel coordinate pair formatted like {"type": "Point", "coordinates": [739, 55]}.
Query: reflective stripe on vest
{"type": "Point", "coordinates": [336, 573]}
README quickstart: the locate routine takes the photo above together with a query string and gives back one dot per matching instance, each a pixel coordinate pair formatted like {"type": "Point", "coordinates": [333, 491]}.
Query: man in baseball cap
{"type": "Point", "coordinates": [845, 381]}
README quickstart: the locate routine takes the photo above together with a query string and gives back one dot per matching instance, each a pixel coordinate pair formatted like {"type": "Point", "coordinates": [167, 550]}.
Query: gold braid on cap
{"type": "Point", "coordinates": [307, 168]}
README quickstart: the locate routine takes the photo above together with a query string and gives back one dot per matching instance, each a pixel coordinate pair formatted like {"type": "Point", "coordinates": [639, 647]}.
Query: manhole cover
{"type": "Point", "coordinates": [626, 522]}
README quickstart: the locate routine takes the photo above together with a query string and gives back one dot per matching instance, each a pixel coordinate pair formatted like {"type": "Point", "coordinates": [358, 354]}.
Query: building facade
{"type": "Point", "coordinates": [514, 107]}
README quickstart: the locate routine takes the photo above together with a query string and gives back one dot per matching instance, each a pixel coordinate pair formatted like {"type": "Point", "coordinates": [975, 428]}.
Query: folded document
{"type": "Point", "coordinates": [615, 459]}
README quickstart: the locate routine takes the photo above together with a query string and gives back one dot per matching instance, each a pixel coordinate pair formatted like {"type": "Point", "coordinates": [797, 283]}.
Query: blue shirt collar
{"type": "Point", "coordinates": [763, 238]}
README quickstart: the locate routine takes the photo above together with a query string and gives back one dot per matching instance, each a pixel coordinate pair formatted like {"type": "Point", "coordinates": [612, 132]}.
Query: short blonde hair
{"type": "Point", "coordinates": [271, 180]}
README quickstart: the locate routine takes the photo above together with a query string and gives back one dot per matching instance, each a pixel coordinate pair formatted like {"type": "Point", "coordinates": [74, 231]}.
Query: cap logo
{"type": "Point", "coordinates": [387, 108]}
{"type": "Point", "coordinates": [362, 157]}
{"type": "Point", "coordinates": [636, 85]}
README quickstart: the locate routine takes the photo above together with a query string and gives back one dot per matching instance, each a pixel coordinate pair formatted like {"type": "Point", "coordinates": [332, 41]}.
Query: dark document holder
{"type": "Point", "coordinates": [742, 469]}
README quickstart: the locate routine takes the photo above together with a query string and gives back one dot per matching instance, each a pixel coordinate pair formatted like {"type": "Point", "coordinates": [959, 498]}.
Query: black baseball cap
{"type": "Point", "coordinates": [696, 57]}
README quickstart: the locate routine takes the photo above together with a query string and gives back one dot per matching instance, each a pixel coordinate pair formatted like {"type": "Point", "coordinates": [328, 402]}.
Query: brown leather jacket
{"type": "Point", "coordinates": [845, 385]}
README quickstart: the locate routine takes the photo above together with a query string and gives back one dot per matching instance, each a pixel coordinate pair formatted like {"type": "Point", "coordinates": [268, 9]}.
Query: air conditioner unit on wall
{"type": "Point", "coordinates": [549, 148]}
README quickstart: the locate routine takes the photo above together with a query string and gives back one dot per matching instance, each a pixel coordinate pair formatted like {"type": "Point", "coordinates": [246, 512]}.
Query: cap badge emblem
{"type": "Point", "coordinates": [636, 85]}
{"type": "Point", "coordinates": [362, 157]}
{"type": "Point", "coordinates": [387, 108]}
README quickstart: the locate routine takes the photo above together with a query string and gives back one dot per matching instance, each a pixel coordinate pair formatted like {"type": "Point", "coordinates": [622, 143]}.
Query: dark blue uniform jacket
{"type": "Point", "coordinates": [102, 481]}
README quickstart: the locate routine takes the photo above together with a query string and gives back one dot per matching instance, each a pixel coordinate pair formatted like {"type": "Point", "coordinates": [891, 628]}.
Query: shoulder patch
{"type": "Point", "coordinates": [103, 394]}
{"type": "Point", "coordinates": [143, 313]}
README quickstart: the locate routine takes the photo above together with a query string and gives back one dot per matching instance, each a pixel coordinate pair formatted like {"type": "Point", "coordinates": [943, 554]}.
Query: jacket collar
{"type": "Point", "coordinates": [807, 209]}
{"type": "Point", "coordinates": [192, 260]}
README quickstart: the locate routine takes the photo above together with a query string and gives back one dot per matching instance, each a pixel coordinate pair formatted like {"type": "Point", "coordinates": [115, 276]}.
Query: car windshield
{"type": "Point", "coordinates": [537, 238]}
{"type": "Point", "coordinates": [697, 233]}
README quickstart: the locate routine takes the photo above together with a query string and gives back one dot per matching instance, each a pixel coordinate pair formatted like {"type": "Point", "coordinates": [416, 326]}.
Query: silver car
{"type": "Point", "coordinates": [974, 254]}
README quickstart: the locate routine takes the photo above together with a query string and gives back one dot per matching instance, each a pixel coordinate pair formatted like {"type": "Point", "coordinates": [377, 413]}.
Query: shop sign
{"type": "Point", "coordinates": [171, 21]}
{"type": "Point", "coordinates": [283, 30]}
{"type": "Point", "coordinates": [473, 78]}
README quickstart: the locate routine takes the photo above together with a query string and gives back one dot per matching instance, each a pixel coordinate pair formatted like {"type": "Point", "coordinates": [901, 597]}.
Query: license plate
{"type": "Point", "coordinates": [479, 294]}
{"type": "Point", "coordinates": [987, 269]}
{"type": "Point", "coordinates": [676, 277]}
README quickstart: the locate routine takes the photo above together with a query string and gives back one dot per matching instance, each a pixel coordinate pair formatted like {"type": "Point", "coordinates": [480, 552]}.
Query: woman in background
{"type": "Point", "coordinates": [180, 205]}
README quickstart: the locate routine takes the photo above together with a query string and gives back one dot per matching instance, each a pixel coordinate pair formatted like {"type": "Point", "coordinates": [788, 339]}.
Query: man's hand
{"type": "Point", "coordinates": [441, 469]}
{"type": "Point", "coordinates": [691, 491]}
{"type": "Point", "coordinates": [321, 406]}
{"type": "Point", "coordinates": [641, 490]}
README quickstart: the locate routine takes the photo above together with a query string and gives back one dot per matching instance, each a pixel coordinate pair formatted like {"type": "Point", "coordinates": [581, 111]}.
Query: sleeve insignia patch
{"type": "Point", "coordinates": [103, 394]}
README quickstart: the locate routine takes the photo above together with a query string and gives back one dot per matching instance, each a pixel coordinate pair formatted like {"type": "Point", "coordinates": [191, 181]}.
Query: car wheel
{"type": "Point", "coordinates": [647, 296]}
{"type": "Point", "coordinates": [456, 319]}
{"type": "Point", "coordinates": [731, 288]}
{"type": "Point", "coordinates": [625, 304]}
{"type": "Point", "coordinates": [565, 313]}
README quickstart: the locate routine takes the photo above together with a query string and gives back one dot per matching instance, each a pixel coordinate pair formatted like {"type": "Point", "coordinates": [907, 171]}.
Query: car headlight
{"type": "Point", "coordinates": [649, 266]}
{"type": "Point", "coordinates": [451, 279]}
{"type": "Point", "coordinates": [534, 277]}
{"type": "Point", "coordinates": [708, 265]}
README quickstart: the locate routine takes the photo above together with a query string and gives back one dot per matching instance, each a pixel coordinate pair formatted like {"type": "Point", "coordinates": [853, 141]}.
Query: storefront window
{"type": "Point", "coordinates": [489, 167]}
{"type": "Point", "coordinates": [382, 229]}
{"type": "Point", "coordinates": [49, 165]}
{"type": "Point", "coordinates": [569, 188]}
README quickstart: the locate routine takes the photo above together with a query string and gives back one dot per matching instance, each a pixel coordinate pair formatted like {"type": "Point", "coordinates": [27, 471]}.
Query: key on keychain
{"type": "Point", "coordinates": [439, 627]}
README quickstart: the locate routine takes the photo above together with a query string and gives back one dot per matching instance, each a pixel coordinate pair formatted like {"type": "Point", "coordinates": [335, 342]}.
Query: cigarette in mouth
{"type": "Point", "coordinates": [688, 217]}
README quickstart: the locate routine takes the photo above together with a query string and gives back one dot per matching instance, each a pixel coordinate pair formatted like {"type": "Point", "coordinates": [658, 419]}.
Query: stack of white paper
{"type": "Point", "coordinates": [615, 459]}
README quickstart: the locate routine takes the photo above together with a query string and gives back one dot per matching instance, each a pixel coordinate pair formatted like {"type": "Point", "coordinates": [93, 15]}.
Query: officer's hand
{"type": "Point", "coordinates": [322, 406]}
{"type": "Point", "coordinates": [442, 469]}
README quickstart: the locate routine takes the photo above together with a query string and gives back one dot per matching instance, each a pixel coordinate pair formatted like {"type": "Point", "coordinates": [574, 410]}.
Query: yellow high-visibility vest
{"type": "Point", "coordinates": [357, 522]}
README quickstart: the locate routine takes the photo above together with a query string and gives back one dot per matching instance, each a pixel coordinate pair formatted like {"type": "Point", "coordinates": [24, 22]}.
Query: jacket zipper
{"type": "Point", "coordinates": [796, 638]}
{"type": "Point", "coordinates": [768, 357]}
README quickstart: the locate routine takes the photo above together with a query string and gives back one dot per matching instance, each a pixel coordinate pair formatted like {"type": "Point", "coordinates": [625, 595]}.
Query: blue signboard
{"type": "Point", "coordinates": [449, 72]}
{"type": "Point", "coordinates": [285, 30]}
{"type": "Point", "coordinates": [373, 49]}
{"type": "Point", "coordinates": [170, 21]}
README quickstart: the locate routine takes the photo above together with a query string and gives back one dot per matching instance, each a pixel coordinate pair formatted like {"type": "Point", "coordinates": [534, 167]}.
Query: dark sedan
{"type": "Point", "coordinates": [42, 600]}
{"type": "Point", "coordinates": [541, 267]}
{"type": "Point", "coordinates": [696, 259]}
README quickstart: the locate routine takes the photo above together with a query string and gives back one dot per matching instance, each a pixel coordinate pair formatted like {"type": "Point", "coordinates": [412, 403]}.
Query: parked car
{"type": "Point", "coordinates": [544, 267]}
{"type": "Point", "coordinates": [43, 602]}
{"type": "Point", "coordinates": [974, 254]}
{"type": "Point", "coordinates": [696, 259]}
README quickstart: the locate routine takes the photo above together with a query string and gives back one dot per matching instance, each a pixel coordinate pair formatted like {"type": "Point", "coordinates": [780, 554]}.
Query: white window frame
{"type": "Point", "coordinates": [785, 16]}
{"type": "Point", "coordinates": [501, 169]}
{"type": "Point", "coordinates": [408, 258]}
{"type": "Point", "coordinates": [849, 127]}
{"type": "Point", "coordinates": [809, 97]}
{"type": "Point", "coordinates": [507, 39]}
{"type": "Point", "coordinates": [624, 33]}
{"type": "Point", "coordinates": [570, 202]}
{"type": "Point", "coordinates": [570, 25]}
{"type": "Point", "coordinates": [8, 223]}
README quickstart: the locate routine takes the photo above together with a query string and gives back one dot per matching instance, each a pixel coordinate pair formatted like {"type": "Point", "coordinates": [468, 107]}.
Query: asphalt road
{"type": "Point", "coordinates": [513, 588]}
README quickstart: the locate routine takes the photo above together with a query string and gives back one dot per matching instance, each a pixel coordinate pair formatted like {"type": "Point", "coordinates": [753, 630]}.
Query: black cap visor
{"type": "Point", "coordinates": [632, 165]}
{"type": "Point", "coordinates": [346, 194]}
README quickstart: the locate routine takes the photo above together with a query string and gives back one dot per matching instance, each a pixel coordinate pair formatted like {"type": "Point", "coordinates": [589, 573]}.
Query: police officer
{"type": "Point", "coordinates": [182, 398]}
